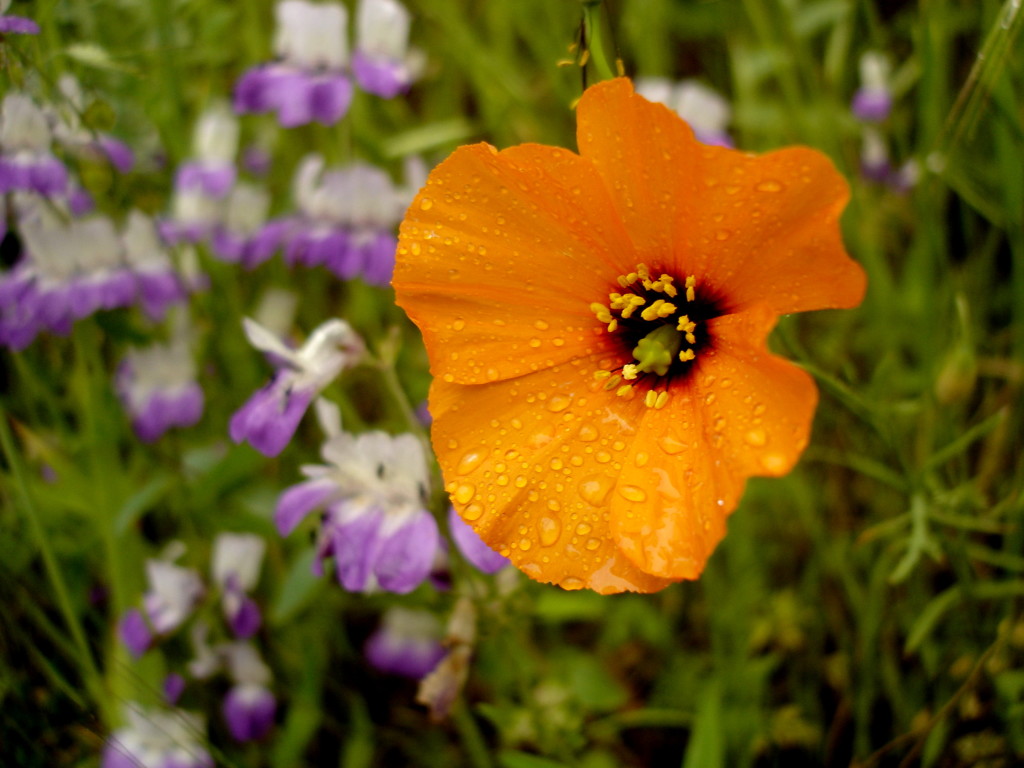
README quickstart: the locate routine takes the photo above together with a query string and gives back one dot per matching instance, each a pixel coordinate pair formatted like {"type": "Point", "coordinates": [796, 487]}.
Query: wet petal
{"type": "Point", "coordinates": [500, 256]}
{"type": "Point", "coordinates": [752, 228]}
{"type": "Point", "coordinates": [534, 479]}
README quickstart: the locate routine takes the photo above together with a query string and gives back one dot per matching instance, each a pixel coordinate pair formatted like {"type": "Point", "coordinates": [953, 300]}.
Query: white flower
{"type": "Point", "coordinates": [312, 35]}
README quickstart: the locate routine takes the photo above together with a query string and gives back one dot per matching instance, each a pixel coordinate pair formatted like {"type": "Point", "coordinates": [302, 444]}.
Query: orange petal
{"type": "Point", "coordinates": [531, 462]}
{"type": "Point", "coordinates": [757, 407]}
{"type": "Point", "coordinates": [752, 228]}
{"type": "Point", "coordinates": [743, 412]}
{"type": "Point", "coordinates": [674, 493]}
{"type": "Point", "coordinates": [500, 256]}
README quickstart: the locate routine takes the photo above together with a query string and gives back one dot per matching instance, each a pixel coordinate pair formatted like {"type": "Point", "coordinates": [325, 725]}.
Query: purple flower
{"type": "Point", "coordinates": [249, 712]}
{"type": "Point", "coordinates": [270, 417]}
{"type": "Point", "coordinates": [26, 163]}
{"type": "Point", "coordinates": [872, 102]}
{"type": "Point", "coordinates": [472, 546]}
{"type": "Point", "coordinates": [158, 283]}
{"type": "Point", "coordinates": [158, 388]}
{"type": "Point", "coordinates": [66, 124]}
{"type": "Point", "coordinates": [376, 526]}
{"type": "Point", "coordinates": [408, 643]}
{"type": "Point", "coordinates": [174, 686]}
{"type": "Point", "coordinates": [173, 595]}
{"type": "Point", "coordinates": [157, 739]}
{"type": "Point", "coordinates": [236, 569]}
{"type": "Point", "coordinates": [15, 24]}
{"type": "Point", "coordinates": [382, 64]}
{"type": "Point", "coordinates": [307, 82]}
{"type": "Point", "coordinates": [245, 236]}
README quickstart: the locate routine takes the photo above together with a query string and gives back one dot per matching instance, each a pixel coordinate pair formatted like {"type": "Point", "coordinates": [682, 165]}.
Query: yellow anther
{"type": "Point", "coordinates": [662, 399]}
{"type": "Point", "coordinates": [624, 281]}
{"type": "Point", "coordinates": [612, 325]}
{"type": "Point", "coordinates": [629, 371]}
{"type": "Point", "coordinates": [691, 283]}
{"type": "Point", "coordinates": [659, 308]}
{"type": "Point", "coordinates": [584, 58]}
{"type": "Point", "coordinates": [599, 375]}
{"type": "Point", "coordinates": [642, 272]}
{"type": "Point", "coordinates": [687, 355]}
{"type": "Point", "coordinates": [634, 302]}
{"type": "Point", "coordinates": [690, 338]}
{"type": "Point", "coordinates": [613, 382]}
{"type": "Point", "coordinates": [650, 398]}
{"type": "Point", "coordinates": [631, 277]}
{"type": "Point", "coordinates": [686, 325]}
{"type": "Point", "coordinates": [626, 390]}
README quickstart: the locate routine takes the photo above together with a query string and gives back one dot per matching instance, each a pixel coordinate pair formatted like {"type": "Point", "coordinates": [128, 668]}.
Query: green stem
{"type": "Point", "coordinates": [90, 672]}
{"type": "Point", "coordinates": [472, 739]}
{"type": "Point", "coordinates": [594, 40]}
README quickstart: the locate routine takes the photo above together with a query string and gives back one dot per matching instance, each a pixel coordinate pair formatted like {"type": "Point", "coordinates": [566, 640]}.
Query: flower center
{"type": "Point", "coordinates": [659, 323]}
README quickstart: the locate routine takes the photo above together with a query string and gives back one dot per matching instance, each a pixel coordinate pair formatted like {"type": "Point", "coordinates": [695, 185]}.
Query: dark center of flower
{"type": "Point", "coordinates": [662, 323]}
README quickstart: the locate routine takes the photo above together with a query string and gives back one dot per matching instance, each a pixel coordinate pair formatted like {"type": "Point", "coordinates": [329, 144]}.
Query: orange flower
{"type": "Point", "coordinates": [596, 327]}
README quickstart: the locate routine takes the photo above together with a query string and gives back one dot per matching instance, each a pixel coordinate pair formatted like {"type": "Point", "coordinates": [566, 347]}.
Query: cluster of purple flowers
{"type": "Point", "coordinates": [70, 268]}
{"type": "Point", "coordinates": [174, 596]}
{"type": "Point", "coordinates": [310, 80]}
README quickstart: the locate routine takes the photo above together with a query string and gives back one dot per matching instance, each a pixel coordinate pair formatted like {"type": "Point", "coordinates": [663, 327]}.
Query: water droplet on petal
{"type": "Point", "coordinates": [572, 583]}
{"type": "Point", "coordinates": [558, 403]}
{"type": "Point", "coordinates": [671, 445]}
{"type": "Point", "coordinates": [593, 544]}
{"type": "Point", "coordinates": [641, 458]}
{"type": "Point", "coordinates": [459, 324]}
{"type": "Point", "coordinates": [595, 490]}
{"type": "Point", "coordinates": [756, 437]}
{"type": "Point", "coordinates": [550, 530]}
{"type": "Point", "coordinates": [588, 433]}
{"type": "Point", "coordinates": [525, 544]}
{"type": "Point", "coordinates": [469, 462]}
{"type": "Point", "coordinates": [774, 462]}
{"type": "Point", "coordinates": [464, 493]}
{"type": "Point", "coordinates": [769, 185]}
{"type": "Point", "coordinates": [426, 204]}
{"type": "Point", "coordinates": [632, 493]}
{"type": "Point", "coordinates": [583, 529]}
{"type": "Point", "coordinates": [472, 512]}
{"type": "Point", "coordinates": [540, 325]}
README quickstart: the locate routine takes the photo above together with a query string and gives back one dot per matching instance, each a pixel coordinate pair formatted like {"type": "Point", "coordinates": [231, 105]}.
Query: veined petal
{"type": "Point", "coordinates": [535, 479]}
{"type": "Point", "coordinates": [501, 255]}
{"type": "Point", "coordinates": [753, 228]}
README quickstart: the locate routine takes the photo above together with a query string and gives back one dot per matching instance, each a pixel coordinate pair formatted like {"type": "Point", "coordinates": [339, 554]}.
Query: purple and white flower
{"type": "Point", "coordinates": [236, 570]}
{"type": "Point", "coordinates": [157, 739]}
{"type": "Point", "coordinates": [18, 25]}
{"type": "Point", "coordinates": [376, 527]}
{"type": "Point", "coordinates": [874, 156]}
{"type": "Point", "coordinates": [407, 643]}
{"type": "Point", "coordinates": [348, 217]}
{"type": "Point", "coordinates": [249, 706]}
{"type": "Point", "coordinates": [245, 236]}
{"type": "Point", "coordinates": [706, 111]}
{"type": "Point", "coordinates": [159, 285]}
{"type": "Point", "coordinates": [202, 184]}
{"type": "Point", "coordinates": [158, 388]}
{"type": "Point", "coordinates": [173, 595]}
{"type": "Point", "coordinates": [270, 417]}
{"type": "Point", "coordinates": [66, 123]}
{"type": "Point", "coordinates": [382, 62]}
{"type": "Point", "coordinates": [308, 81]}
{"type": "Point", "coordinates": [872, 102]}
{"type": "Point", "coordinates": [26, 162]}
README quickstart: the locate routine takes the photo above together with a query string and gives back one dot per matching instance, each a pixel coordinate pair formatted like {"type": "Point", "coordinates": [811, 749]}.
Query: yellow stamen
{"type": "Point", "coordinates": [650, 398]}
{"type": "Point", "coordinates": [612, 383]}
{"type": "Point", "coordinates": [629, 371]}
{"type": "Point", "coordinates": [659, 308]}
{"type": "Point", "coordinates": [599, 375]}
{"type": "Point", "coordinates": [626, 390]}
{"type": "Point", "coordinates": [662, 399]}
{"type": "Point", "coordinates": [687, 355]}
{"type": "Point", "coordinates": [691, 284]}
{"type": "Point", "coordinates": [613, 325]}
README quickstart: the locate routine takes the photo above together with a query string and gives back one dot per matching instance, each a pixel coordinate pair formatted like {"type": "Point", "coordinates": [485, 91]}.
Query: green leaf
{"type": "Point", "coordinates": [140, 501]}
{"type": "Point", "coordinates": [297, 589]}
{"type": "Point", "coordinates": [707, 742]}
{"type": "Point", "coordinates": [516, 759]}
{"type": "Point", "coordinates": [95, 56]}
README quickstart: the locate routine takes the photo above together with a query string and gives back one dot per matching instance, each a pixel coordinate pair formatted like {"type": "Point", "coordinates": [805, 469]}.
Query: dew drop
{"type": "Point", "coordinates": [459, 324]}
{"type": "Point", "coordinates": [756, 437]}
{"type": "Point", "coordinates": [726, 383]}
{"type": "Point", "coordinates": [583, 529]}
{"type": "Point", "coordinates": [426, 204]}
{"type": "Point", "coordinates": [759, 409]}
{"type": "Point", "coordinates": [534, 343]}
{"type": "Point", "coordinates": [540, 325]}
{"type": "Point", "coordinates": [525, 544]}
{"type": "Point", "coordinates": [520, 482]}
{"type": "Point", "coordinates": [769, 185]}
{"type": "Point", "coordinates": [722, 234]}
{"type": "Point", "coordinates": [671, 445]}
{"type": "Point", "coordinates": [595, 490]}
{"type": "Point", "coordinates": [558, 403]}
{"type": "Point", "coordinates": [632, 493]}
{"type": "Point", "coordinates": [709, 399]}
{"type": "Point", "coordinates": [464, 493]}
{"type": "Point", "coordinates": [774, 462]}
{"type": "Point", "coordinates": [472, 512]}
{"type": "Point", "coordinates": [587, 433]}
{"type": "Point", "coordinates": [593, 544]}
{"type": "Point", "coordinates": [415, 248]}
{"type": "Point", "coordinates": [603, 457]}
{"type": "Point", "coordinates": [558, 341]}
{"type": "Point", "coordinates": [469, 462]}
{"type": "Point", "coordinates": [641, 458]}
{"type": "Point", "coordinates": [550, 530]}
{"type": "Point", "coordinates": [572, 584]}
{"type": "Point", "coordinates": [448, 377]}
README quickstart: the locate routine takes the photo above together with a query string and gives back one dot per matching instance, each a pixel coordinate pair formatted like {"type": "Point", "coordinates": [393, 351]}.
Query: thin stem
{"type": "Point", "coordinates": [595, 41]}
